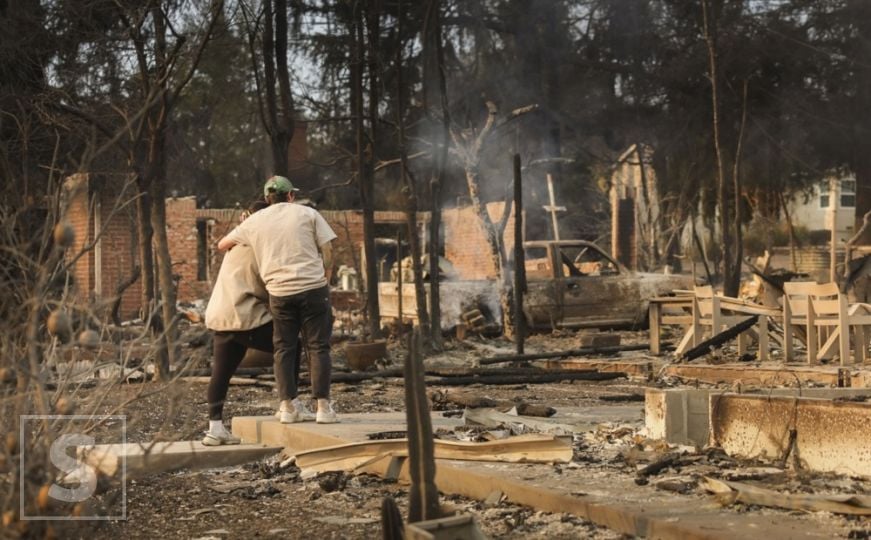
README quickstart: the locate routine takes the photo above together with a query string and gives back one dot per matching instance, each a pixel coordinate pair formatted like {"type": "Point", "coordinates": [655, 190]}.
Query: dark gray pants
{"type": "Point", "coordinates": [309, 311]}
{"type": "Point", "coordinates": [228, 351]}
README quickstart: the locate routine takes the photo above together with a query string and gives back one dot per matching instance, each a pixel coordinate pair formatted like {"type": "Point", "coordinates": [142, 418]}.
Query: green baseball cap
{"type": "Point", "coordinates": [278, 184]}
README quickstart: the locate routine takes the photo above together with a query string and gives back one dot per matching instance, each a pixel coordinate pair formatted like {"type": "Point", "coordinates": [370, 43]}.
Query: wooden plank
{"type": "Point", "coordinates": [642, 368]}
{"type": "Point", "coordinates": [769, 375]}
{"type": "Point", "coordinates": [654, 311]}
{"type": "Point", "coordinates": [532, 448]}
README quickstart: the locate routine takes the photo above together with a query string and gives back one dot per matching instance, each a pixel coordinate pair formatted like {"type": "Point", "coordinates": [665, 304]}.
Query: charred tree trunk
{"type": "Point", "coordinates": [279, 116]}
{"type": "Point", "coordinates": [738, 249]}
{"type": "Point", "coordinates": [410, 189]}
{"type": "Point", "coordinates": [862, 169]}
{"type": "Point", "coordinates": [731, 267]}
{"type": "Point", "coordinates": [157, 124]}
{"type": "Point", "coordinates": [146, 256]}
{"type": "Point", "coordinates": [496, 250]}
{"type": "Point", "coordinates": [435, 77]}
{"type": "Point", "coordinates": [862, 153]}
{"type": "Point", "coordinates": [373, 31]}
{"type": "Point", "coordinates": [469, 150]}
{"type": "Point", "coordinates": [165, 281]}
{"type": "Point", "coordinates": [156, 62]}
{"type": "Point", "coordinates": [365, 169]}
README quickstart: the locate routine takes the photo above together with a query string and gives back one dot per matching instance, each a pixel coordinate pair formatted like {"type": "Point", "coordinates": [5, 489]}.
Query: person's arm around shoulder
{"type": "Point", "coordinates": [226, 243]}
{"type": "Point", "coordinates": [237, 236]}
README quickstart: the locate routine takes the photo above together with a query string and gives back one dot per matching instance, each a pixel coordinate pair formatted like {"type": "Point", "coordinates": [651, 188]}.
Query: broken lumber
{"type": "Point", "coordinates": [492, 418]}
{"type": "Point", "coordinates": [534, 448]}
{"type": "Point", "coordinates": [471, 401]}
{"type": "Point", "coordinates": [241, 372]}
{"type": "Point", "coordinates": [583, 351]}
{"type": "Point", "coordinates": [527, 378]}
{"type": "Point", "coordinates": [234, 381]}
{"type": "Point", "coordinates": [659, 465]}
{"type": "Point", "coordinates": [731, 492]}
{"type": "Point", "coordinates": [718, 340]}
{"type": "Point", "coordinates": [486, 372]}
{"type": "Point", "coordinates": [449, 377]}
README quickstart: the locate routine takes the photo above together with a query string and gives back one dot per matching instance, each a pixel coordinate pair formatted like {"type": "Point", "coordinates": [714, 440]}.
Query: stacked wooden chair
{"type": "Point", "coordinates": [821, 317]}
{"type": "Point", "coordinates": [713, 313]}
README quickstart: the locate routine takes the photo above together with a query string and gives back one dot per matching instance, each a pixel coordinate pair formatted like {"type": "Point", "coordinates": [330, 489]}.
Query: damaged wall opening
{"type": "Point", "coordinates": [203, 251]}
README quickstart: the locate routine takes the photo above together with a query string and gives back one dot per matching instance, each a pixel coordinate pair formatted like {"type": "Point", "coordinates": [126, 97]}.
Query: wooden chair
{"type": "Point", "coordinates": [717, 313]}
{"type": "Point", "coordinates": [795, 316]}
{"type": "Point", "coordinates": [828, 320]}
{"type": "Point", "coordinates": [669, 311]}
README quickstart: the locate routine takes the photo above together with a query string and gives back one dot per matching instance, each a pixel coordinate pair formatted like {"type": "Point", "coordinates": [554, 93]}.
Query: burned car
{"type": "Point", "coordinates": [570, 284]}
{"type": "Point", "coordinates": [575, 284]}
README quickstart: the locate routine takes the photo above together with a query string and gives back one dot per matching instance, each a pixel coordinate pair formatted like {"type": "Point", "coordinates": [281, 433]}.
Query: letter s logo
{"type": "Point", "coordinates": [74, 469]}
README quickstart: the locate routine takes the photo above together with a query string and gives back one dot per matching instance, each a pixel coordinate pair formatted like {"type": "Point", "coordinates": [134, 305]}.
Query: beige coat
{"type": "Point", "coordinates": [239, 300]}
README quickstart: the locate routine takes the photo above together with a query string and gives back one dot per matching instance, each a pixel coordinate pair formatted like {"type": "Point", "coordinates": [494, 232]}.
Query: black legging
{"type": "Point", "coordinates": [229, 350]}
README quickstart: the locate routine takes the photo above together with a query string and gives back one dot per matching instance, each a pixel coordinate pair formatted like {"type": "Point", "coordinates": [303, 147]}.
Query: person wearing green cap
{"type": "Point", "coordinates": [277, 188]}
{"type": "Point", "coordinates": [291, 245]}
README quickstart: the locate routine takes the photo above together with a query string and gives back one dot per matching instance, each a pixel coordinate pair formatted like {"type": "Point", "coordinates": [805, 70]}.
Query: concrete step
{"type": "Point", "coordinates": [138, 459]}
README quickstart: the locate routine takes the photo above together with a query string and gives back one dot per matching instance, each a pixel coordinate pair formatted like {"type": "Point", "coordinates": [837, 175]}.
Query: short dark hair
{"type": "Point", "coordinates": [276, 197]}
{"type": "Point", "coordinates": [256, 205]}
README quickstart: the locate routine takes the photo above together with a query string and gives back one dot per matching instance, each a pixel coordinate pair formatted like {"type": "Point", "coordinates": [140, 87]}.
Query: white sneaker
{"type": "Point", "coordinates": [326, 414]}
{"type": "Point", "coordinates": [305, 414]}
{"type": "Point", "coordinates": [220, 438]}
{"type": "Point", "coordinates": [288, 417]}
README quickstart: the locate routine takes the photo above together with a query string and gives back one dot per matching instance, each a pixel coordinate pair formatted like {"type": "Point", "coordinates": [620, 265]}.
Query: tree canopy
{"type": "Point", "coordinates": [791, 96]}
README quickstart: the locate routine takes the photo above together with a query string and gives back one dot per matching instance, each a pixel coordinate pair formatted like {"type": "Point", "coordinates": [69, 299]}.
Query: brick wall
{"type": "Point", "coordinates": [348, 226]}
{"type": "Point", "coordinates": [118, 253]}
{"type": "Point", "coordinates": [182, 217]}
{"type": "Point", "coordinates": [78, 215]}
{"type": "Point", "coordinates": [115, 248]}
{"type": "Point", "coordinates": [183, 237]}
{"type": "Point", "coordinates": [466, 245]}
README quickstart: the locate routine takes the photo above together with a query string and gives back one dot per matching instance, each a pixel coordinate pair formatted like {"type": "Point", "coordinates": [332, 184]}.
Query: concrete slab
{"type": "Point", "coordinates": [153, 458]}
{"type": "Point", "coordinates": [822, 435]}
{"type": "Point", "coordinates": [599, 496]}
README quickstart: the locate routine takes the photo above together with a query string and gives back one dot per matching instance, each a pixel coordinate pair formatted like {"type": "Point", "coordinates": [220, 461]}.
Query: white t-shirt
{"type": "Point", "coordinates": [285, 238]}
{"type": "Point", "coordinates": [239, 300]}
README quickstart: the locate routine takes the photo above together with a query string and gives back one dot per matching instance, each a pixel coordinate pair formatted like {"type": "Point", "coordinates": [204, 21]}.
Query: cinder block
{"type": "Point", "coordinates": [678, 416]}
